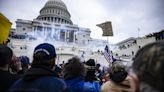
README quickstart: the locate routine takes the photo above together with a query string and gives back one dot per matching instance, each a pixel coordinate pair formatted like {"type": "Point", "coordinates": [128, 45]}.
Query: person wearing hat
{"type": "Point", "coordinates": [91, 81]}
{"type": "Point", "coordinates": [148, 65]}
{"type": "Point", "coordinates": [41, 77]}
{"type": "Point", "coordinates": [90, 71]}
{"type": "Point", "coordinates": [6, 78]}
{"type": "Point", "coordinates": [119, 81]}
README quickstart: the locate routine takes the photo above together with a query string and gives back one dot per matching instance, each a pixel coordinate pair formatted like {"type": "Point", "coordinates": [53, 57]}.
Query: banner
{"type": "Point", "coordinates": [5, 26]}
{"type": "Point", "coordinates": [106, 28]}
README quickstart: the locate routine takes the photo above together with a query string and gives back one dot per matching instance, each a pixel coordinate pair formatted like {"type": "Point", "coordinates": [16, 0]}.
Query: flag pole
{"type": "Point", "coordinates": [107, 39]}
{"type": "Point", "coordinates": [138, 32]}
{"type": "Point", "coordinates": [109, 51]}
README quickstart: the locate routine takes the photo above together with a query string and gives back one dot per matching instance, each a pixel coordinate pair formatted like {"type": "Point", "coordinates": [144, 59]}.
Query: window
{"type": "Point", "coordinates": [24, 29]}
{"type": "Point", "coordinates": [58, 12]}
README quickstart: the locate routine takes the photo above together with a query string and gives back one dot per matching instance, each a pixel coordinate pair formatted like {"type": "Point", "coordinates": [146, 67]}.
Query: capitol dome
{"type": "Point", "coordinates": [55, 11]}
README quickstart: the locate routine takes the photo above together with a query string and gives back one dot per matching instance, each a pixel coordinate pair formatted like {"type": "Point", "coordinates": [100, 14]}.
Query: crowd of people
{"type": "Point", "coordinates": [18, 74]}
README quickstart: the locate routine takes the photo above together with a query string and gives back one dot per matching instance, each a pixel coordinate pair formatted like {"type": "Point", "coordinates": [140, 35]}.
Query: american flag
{"type": "Point", "coordinates": [108, 55]}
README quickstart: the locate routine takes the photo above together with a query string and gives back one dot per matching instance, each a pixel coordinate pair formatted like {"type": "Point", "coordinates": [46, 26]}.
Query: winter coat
{"type": "Point", "coordinates": [6, 80]}
{"type": "Point", "coordinates": [91, 86]}
{"type": "Point", "coordinates": [125, 86]}
{"type": "Point", "coordinates": [79, 85]}
{"type": "Point", "coordinates": [39, 79]}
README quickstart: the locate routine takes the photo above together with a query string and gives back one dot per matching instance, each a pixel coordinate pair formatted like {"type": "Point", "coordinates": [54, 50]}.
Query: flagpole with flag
{"type": "Point", "coordinates": [108, 55]}
{"type": "Point", "coordinates": [106, 28]}
{"type": "Point", "coordinates": [107, 31]}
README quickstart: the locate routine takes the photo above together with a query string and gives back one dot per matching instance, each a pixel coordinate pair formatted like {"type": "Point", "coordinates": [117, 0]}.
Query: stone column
{"type": "Point", "coordinates": [36, 31]}
{"type": "Point", "coordinates": [50, 31]}
{"type": "Point", "coordinates": [68, 31]}
{"type": "Point", "coordinates": [72, 34]}
{"type": "Point", "coordinates": [33, 30]}
{"type": "Point", "coordinates": [58, 34]}
{"type": "Point", "coordinates": [53, 32]}
{"type": "Point", "coordinates": [74, 39]}
{"type": "Point", "coordinates": [53, 19]}
{"type": "Point", "coordinates": [45, 29]}
{"type": "Point", "coordinates": [56, 20]}
{"type": "Point", "coordinates": [65, 36]}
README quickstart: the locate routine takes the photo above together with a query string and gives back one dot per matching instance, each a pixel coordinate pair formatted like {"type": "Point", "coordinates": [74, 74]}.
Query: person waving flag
{"type": "Point", "coordinates": [108, 55]}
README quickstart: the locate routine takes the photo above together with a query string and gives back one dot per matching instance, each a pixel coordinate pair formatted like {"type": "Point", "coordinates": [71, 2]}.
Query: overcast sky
{"type": "Point", "coordinates": [127, 16]}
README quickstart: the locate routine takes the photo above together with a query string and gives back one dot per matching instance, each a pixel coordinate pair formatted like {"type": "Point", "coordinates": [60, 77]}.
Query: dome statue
{"type": "Point", "coordinates": [55, 11]}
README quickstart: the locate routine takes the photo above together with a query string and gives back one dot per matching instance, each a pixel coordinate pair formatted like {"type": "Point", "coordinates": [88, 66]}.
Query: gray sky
{"type": "Point", "coordinates": [126, 15]}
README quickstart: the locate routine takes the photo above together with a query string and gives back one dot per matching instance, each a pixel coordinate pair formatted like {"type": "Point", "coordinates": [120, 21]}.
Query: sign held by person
{"type": "Point", "coordinates": [106, 28]}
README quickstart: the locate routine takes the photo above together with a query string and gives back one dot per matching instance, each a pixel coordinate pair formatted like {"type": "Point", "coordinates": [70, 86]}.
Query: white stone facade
{"type": "Point", "coordinates": [54, 23]}
{"type": "Point", "coordinates": [132, 45]}
{"type": "Point", "coordinates": [54, 26]}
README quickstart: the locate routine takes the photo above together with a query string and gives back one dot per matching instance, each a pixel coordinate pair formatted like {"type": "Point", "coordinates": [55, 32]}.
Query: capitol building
{"type": "Point", "coordinates": [54, 25]}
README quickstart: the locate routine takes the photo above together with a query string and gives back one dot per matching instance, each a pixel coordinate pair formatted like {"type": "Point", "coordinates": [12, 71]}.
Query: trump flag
{"type": "Point", "coordinates": [106, 28]}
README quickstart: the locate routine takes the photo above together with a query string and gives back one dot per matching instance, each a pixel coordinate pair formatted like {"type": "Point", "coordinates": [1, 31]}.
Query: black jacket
{"type": "Point", "coordinates": [6, 80]}
{"type": "Point", "coordinates": [39, 79]}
